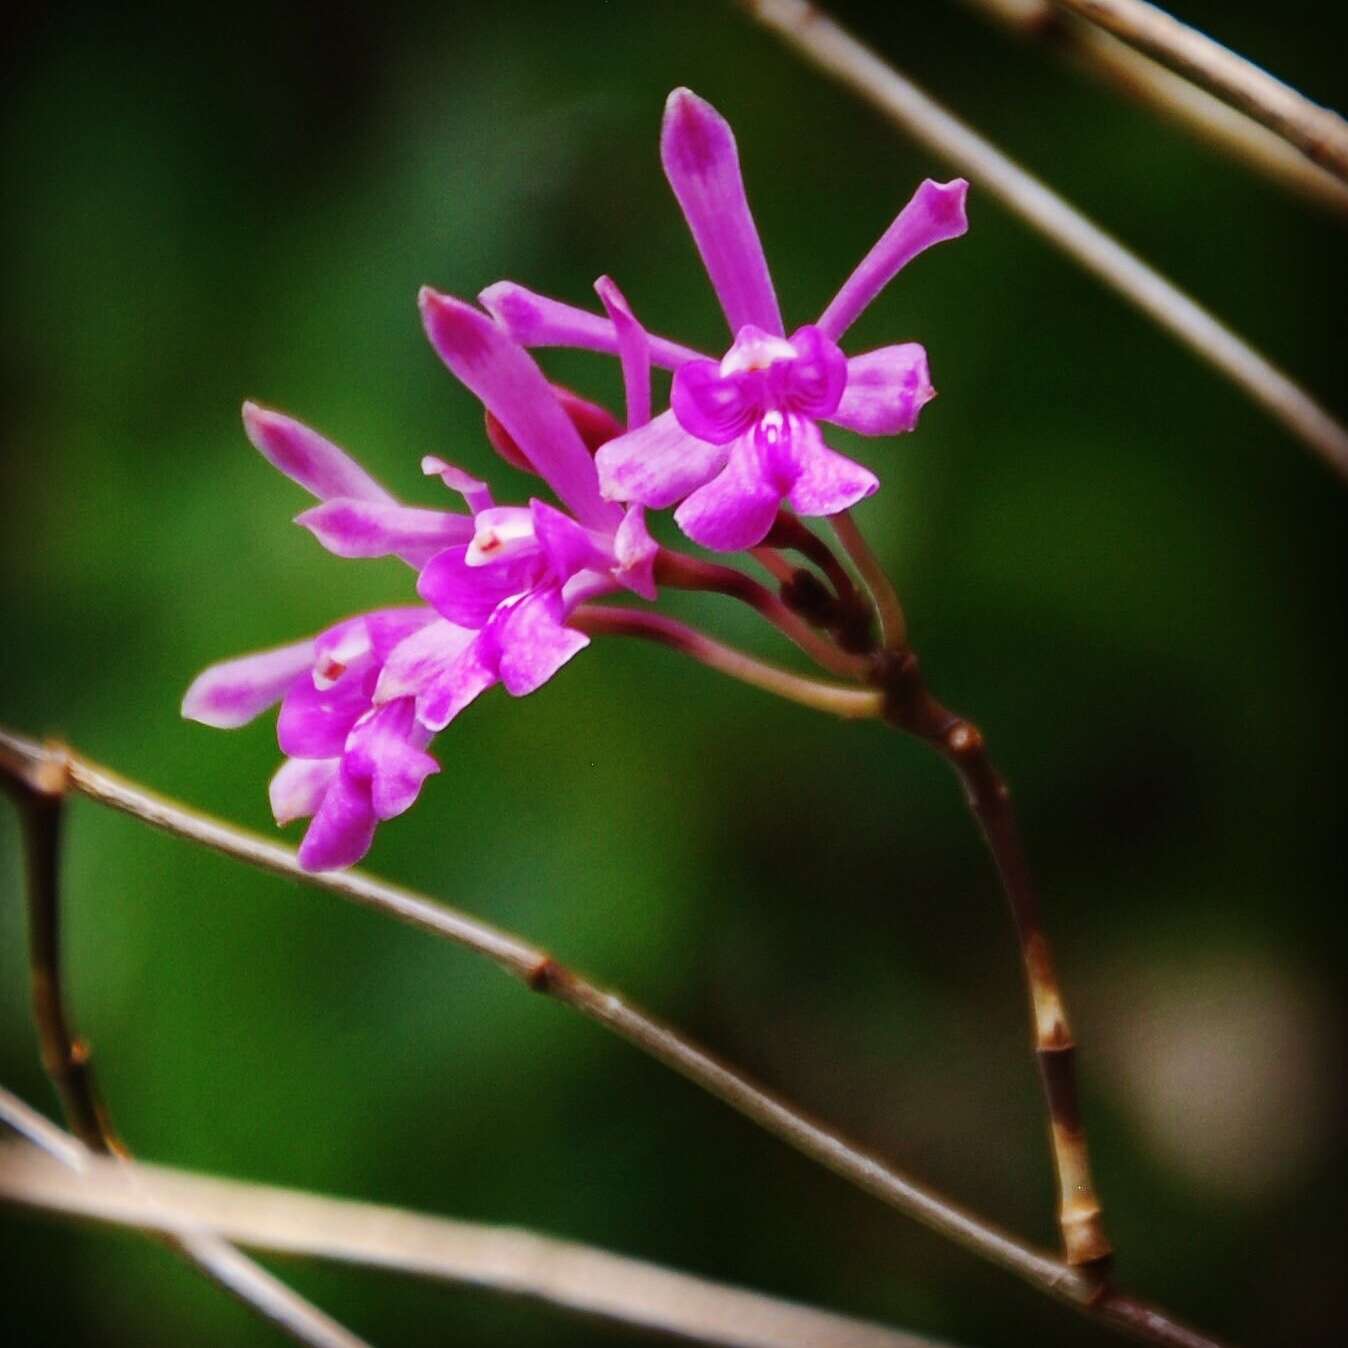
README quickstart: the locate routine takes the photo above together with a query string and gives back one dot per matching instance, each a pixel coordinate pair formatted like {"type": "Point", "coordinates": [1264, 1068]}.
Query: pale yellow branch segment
{"type": "Point", "coordinates": [572, 1276]}
{"type": "Point", "coordinates": [1319, 133]}
{"type": "Point", "coordinates": [835, 51]}
{"type": "Point", "coordinates": [1149, 83]}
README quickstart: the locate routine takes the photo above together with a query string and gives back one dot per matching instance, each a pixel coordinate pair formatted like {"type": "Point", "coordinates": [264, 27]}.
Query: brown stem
{"type": "Point", "coordinates": [39, 788]}
{"type": "Point", "coordinates": [1080, 1288]}
{"type": "Point", "coordinates": [911, 707]}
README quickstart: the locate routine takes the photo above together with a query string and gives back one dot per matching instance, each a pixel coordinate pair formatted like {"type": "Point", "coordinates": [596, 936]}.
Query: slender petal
{"type": "Point", "coordinates": [634, 351]}
{"type": "Point", "coordinates": [306, 457]}
{"type": "Point", "coordinates": [419, 659]}
{"type": "Point", "coordinates": [567, 546]}
{"type": "Point", "coordinates": [468, 595]}
{"type": "Point", "coordinates": [596, 426]}
{"type": "Point", "coordinates": [297, 789]}
{"type": "Point", "coordinates": [736, 508]}
{"type": "Point", "coordinates": [635, 551]}
{"type": "Point", "coordinates": [460, 681]}
{"type": "Point", "coordinates": [827, 482]}
{"type": "Point", "coordinates": [514, 390]}
{"type": "Point", "coordinates": [475, 493]}
{"type": "Point", "coordinates": [935, 213]}
{"type": "Point", "coordinates": [535, 320]}
{"type": "Point", "coordinates": [702, 164]}
{"type": "Point", "coordinates": [886, 390]}
{"type": "Point", "coordinates": [230, 694]}
{"type": "Point", "coordinates": [314, 722]}
{"type": "Point", "coordinates": [387, 749]}
{"type": "Point", "coordinates": [657, 464]}
{"type": "Point", "coordinates": [343, 827]}
{"type": "Point", "coordinates": [380, 529]}
{"type": "Point", "coordinates": [534, 642]}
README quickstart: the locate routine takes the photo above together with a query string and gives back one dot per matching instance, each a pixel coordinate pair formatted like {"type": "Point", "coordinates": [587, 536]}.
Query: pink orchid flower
{"type": "Point", "coordinates": [742, 435]}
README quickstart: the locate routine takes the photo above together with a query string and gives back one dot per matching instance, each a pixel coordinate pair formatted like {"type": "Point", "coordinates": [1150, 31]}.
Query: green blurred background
{"type": "Point", "coordinates": [1126, 573]}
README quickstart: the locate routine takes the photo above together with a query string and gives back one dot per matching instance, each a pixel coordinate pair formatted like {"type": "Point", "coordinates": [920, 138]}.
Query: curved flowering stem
{"type": "Point", "coordinates": [679, 572]}
{"type": "Point", "coordinates": [1319, 133]}
{"type": "Point", "coordinates": [816, 36]}
{"type": "Point", "coordinates": [893, 623]}
{"type": "Point", "coordinates": [849, 703]}
{"type": "Point", "coordinates": [535, 968]}
{"type": "Point", "coordinates": [39, 789]}
{"type": "Point", "coordinates": [70, 1181]}
{"type": "Point", "coordinates": [1148, 82]}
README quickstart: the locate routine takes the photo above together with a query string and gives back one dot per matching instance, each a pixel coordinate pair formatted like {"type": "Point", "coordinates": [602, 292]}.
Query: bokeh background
{"type": "Point", "coordinates": [1128, 575]}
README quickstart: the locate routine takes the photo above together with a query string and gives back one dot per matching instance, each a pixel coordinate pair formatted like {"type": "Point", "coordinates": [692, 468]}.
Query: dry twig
{"type": "Point", "coordinates": [834, 50]}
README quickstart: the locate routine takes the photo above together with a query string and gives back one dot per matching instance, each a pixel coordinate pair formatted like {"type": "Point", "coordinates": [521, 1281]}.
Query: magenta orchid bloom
{"type": "Point", "coordinates": [742, 435]}
{"type": "Point", "coordinates": [360, 703]}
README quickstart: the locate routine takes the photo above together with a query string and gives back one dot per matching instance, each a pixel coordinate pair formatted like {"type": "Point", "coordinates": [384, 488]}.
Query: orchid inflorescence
{"type": "Point", "coordinates": [738, 451]}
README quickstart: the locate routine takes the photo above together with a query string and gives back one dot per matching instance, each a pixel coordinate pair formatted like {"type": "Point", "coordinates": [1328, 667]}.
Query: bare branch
{"type": "Point", "coordinates": [572, 1276]}
{"type": "Point", "coordinates": [39, 789]}
{"type": "Point", "coordinates": [834, 50]}
{"type": "Point", "coordinates": [1319, 133]}
{"type": "Point", "coordinates": [538, 970]}
{"type": "Point", "coordinates": [1149, 83]}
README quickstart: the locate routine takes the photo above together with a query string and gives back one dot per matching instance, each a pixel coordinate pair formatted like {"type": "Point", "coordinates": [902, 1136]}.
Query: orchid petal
{"type": "Point", "coordinates": [713, 406]}
{"type": "Point", "coordinates": [379, 529]}
{"type": "Point", "coordinates": [314, 722]}
{"type": "Point", "coordinates": [420, 658]}
{"type": "Point", "coordinates": [826, 481]}
{"type": "Point", "coordinates": [468, 595]}
{"type": "Point", "coordinates": [886, 390]}
{"type": "Point", "coordinates": [701, 162]}
{"type": "Point", "coordinates": [475, 493]}
{"type": "Point", "coordinates": [817, 378]}
{"type": "Point", "coordinates": [635, 551]}
{"type": "Point", "coordinates": [935, 213]}
{"type": "Point", "coordinates": [657, 464]}
{"type": "Point", "coordinates": [634, 351]}
{"type": "Point", "coordinates": [461, 681]}
{"type": "Point", "coordinates": [343, 827]}
{"type": "Point", "coordinates": [233, 692]}
{"type": "Point", "coordinates": [567, 546]}
{"type": "Point", "coordinates": [736, 508]}
{"type": "Point", "coordinates": [387, 748]}
{"type": "Point", "coordinates": [306, 457]}
{"type": "Point", "coordinates": [390, 627]}
{"type": "Point", "coordinates": [535, 320]}
{"type": "Point", "coordinates": [534, 642]}
{"type": "Point", "coordinates": [595, 425]}
{"type": "Point", "coordinates": [514, 390]}
{"type": "Point", "coordinates": [297, 789]}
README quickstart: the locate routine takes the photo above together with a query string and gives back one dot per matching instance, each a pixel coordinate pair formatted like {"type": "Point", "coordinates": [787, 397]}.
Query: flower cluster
{"type": "Point", "coordinates": [361, 701]}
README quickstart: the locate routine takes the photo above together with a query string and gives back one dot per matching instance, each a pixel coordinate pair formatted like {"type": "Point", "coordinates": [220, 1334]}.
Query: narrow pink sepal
{"type": "Point", "coordinates": [935, 213]}
{"type": "Point", "coordinates": [535, 320]}
{"type": "Point", "coordinates": [233, 692]}
{"type": "Point", "coordinates": [351, 528]}
{"type": "Point", "coordinates": [697, 148]}
{"type": "Point", "coordinates": [296, 791]}
{"type": "Point", "coordinates": [635, 551]}
{"type": "Point", "coordinates": [306, 457]}
{"type": "Point", "coordinates": [634, 352]}
{"type": "Point", "coordinates": [736, 508]}
{"type": "Point", "coordinates": [343, 828]}
{"type": "Point", "coordinates": [476, 493]}
{"type": "Point", "coordinates": [515, 391]}
{"type": "Point", "coordinates": [657, 464]}
{"type": "Point", "coordinates": [886, 390]}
